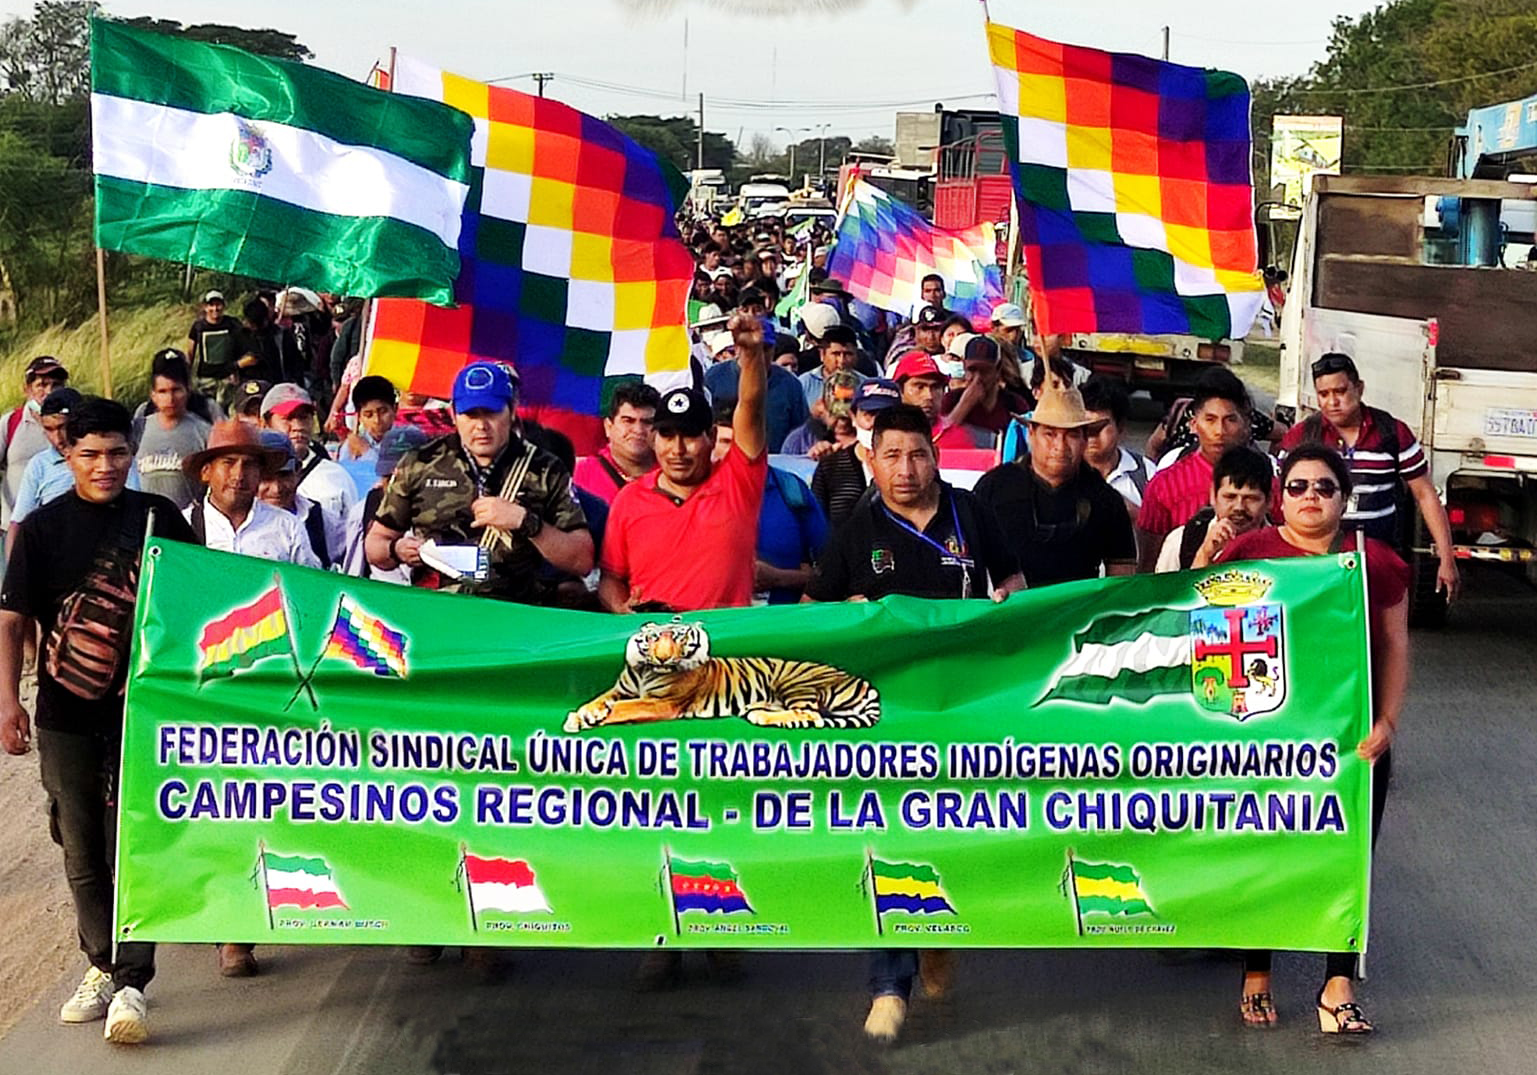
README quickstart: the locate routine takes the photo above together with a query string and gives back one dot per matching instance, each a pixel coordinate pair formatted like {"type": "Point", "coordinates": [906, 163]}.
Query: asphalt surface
{"type": "Point", "coordinates": [1452, 986]}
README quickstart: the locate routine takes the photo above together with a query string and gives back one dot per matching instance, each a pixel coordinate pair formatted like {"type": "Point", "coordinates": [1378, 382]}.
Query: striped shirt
{"type": "Point", "coordinates": [1174, 494]}
{"type": "Point", "coordinates": [1375, 467]}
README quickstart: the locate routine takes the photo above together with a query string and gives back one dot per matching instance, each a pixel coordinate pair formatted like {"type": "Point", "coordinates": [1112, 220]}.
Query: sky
{"type": "Point", "coordinates": [847, 64]}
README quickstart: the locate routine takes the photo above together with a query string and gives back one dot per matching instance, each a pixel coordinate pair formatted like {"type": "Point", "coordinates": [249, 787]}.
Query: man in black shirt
{"type": "Point", "coordinates": [919, 537]}
{"type": "Point", "coordinates": [73, 573]}
{"type": "Point", "coordinates": [1062, 520]}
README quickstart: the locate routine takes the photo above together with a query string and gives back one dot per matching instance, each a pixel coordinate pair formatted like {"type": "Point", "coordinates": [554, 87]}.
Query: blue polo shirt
{"type": "Point", "coordinates": [784, 408]}
{"type": "Point", "coordinates": [792, 528]}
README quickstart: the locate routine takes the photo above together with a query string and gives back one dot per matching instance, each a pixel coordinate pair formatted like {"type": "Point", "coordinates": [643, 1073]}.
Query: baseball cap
{"type": "Point", "coordinates": [718, 342]}
{"type": "Point", "coordinates": [979, 349]}
{"type": "Point", "coordinates": [686, 411]}
{"type": "Point", "coordinates": [213, 296]}
{"type": "Point", "coordinates": [394, 445]}
{"type": "Point", "coordinates": [285, 398]}
{"type": "Point", "coordinates": [917, 364]}
{"type": "Point", "coordinates": [932, 317]}
{"type": "Point", "coordinates": [60, 401]}
{"type": "Point", "coordinates": [249, 394]}
{"type": "Point", "coordinates": [1009, 315]}
{"type": "Point", "coordinates": [282, 448]}
{"type": "Point", "coordinates": [487, 386]}
{"type": "Point", "coordinates": [44, 364]}
{"type": "Point", "coordinates": [877, 394]}
{"type": "Point", "coordinates": [818, 317]}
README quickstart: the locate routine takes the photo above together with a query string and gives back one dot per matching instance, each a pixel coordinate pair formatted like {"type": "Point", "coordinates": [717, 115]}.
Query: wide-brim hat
{"type": "Point", "coordinates": [233, 437]}
{"type": "Point", "coordinates": [1061, 408]}
{"type": "Point", "coordinates": [830, 286]}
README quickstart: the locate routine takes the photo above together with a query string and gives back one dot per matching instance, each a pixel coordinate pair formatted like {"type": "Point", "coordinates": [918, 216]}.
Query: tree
{"type": "Point", "coordinates": [272, 43]}
{"type": "Point", "coordinates": [47, 57]}
{"type": "Point", "coordinates": [874, 144]}
{"type": "Point", "coordinates": [676, 140]}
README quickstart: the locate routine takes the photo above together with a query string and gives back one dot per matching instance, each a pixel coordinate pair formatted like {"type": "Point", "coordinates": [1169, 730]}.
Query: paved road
{"type": "Point", "coordinates": [1452, 981]}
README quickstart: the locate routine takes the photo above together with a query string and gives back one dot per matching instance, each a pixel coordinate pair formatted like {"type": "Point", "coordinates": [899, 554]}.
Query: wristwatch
{"type": "Point", "coordinates": [533, 522]}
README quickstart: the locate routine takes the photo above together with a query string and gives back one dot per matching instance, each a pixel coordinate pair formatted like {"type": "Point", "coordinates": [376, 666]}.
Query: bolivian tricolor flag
{"type": "Point", "coordinates": [245, 636]}
{"type": "Point", "coordinates": [1105, 887]}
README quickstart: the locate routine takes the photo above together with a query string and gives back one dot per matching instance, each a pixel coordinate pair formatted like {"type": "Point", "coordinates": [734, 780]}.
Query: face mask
{"type": "Point", "coordinates": [34, 406]}
{"type": "Point", "coordinates": [866, 438]}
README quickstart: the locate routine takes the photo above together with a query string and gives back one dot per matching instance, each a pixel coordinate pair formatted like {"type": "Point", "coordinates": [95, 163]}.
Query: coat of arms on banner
{"type": "Point", "coordinates": [1228, 654]}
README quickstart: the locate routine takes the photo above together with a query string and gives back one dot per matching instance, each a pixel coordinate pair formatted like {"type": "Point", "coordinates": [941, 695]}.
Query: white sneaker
{"type": "Point", "coordinates": [90, 1000]}
{"type": "Point", "coordinates": [126, 1024]}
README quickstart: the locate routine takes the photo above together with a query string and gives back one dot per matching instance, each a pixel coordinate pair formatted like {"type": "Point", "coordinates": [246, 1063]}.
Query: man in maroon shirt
{"type": "Point", "coordinates": [1221, 421]}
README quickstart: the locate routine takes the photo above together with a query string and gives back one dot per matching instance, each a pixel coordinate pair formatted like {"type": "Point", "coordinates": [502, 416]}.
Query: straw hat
{"type": "Point", "coordinates": [233, 437]}
{"type": "Point", "coordinates": [1061, 407]}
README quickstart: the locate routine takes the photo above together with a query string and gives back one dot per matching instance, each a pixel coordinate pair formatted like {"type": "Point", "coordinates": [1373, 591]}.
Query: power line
{"type": "Point", "coordinates": [1304, 91]}
{"type": "Point", "coordinates": [1230, 41]}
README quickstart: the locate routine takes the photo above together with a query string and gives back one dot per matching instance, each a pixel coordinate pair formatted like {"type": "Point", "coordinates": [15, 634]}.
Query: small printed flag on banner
{"type": "Point", "coordinates": [498, 884]}
{"type": "Point", "coordinates": [1107, 888]}
{"type": "Point", "coordinates": [906, 886]}
{"type": "Point", "coordinates": [1132, 176]}
{"type": "Point", "coordinates": [245, 636]}
{"type": "Point", "coordinates": [884, 249]}
{"type": "Point", "coordinates": [299, 881]}
{"type": "Point", "coordinates": [1133, 657]}
{"type": "Point", "coordinates": [366, 641]}
{"type": "Point", "coordinates": [705, 886]}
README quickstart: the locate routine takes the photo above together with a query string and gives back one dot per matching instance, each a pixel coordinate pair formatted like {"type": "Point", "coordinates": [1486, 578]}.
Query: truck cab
{"type": "Point", "coordinates": [1408, 276]}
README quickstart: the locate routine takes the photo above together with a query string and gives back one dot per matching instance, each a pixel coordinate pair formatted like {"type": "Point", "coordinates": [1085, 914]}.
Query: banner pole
{"type": "Point", "coordinates": [469, 892]}
{"type": "Point", "coordinates": [101, 318]}
{"type": "Point", "coordinates": [1072, 884]}
{"type": "Point", "coordinates": [304, 680]}
{"type": "Point", "coordinates": [875, 902]}
{"type": "Point", "coordinates": [261, 859]}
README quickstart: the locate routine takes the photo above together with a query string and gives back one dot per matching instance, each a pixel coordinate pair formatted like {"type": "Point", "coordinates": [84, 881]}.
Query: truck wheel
{"type": "Point", "coordinates": [1427, 607]}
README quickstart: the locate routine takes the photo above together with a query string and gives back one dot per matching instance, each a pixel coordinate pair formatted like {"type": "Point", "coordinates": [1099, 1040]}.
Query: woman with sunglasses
{"type": "Point", "coordinates": [1315, 486]}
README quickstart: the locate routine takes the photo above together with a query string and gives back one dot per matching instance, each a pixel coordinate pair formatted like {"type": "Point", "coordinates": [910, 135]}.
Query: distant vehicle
{"type": "Point", "coordinates": [759, 200]}
{"type": "Point", "coordinates": [707, 186]}
{"type": "Point", "coordinates": [822, 212]}
{"type": "Point", "coordinates": [1405, 275]}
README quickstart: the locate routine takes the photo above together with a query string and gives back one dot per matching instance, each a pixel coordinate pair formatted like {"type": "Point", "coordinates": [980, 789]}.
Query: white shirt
{"type": "Point", "coordinates": [1121, 478]}
{"type": "Point", "coordinates": [355, 562]}
{"type": "Point", "coordinates": [1168, 556]}
{"type": "Point", "coordinates": [268, 533]}
{"type": "Point", "coordinates": [335, 529]}
{"type": "Point", "coordinates": [330, 486]}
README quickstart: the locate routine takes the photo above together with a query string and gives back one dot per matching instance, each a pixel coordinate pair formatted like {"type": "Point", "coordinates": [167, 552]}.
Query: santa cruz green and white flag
{"type": "Point", "coordinates": [273, 169]}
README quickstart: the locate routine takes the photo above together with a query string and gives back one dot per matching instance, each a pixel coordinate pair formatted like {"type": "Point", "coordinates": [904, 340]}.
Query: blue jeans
{"type": "Point", "coordinates": [892, 971]}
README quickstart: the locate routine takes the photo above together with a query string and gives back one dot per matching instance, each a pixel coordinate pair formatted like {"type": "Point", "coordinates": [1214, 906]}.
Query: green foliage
{"type": "Point", "coordinates": [1404, 75]}
{"type": "Point", "coordinates": [134, 335]}
{"type": "Point", "coordinates": [676, 140]}
{"type": "Point", "coordinates": [273, 43]}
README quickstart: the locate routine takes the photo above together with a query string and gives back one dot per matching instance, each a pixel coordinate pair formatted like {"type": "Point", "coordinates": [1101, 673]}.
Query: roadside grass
{"type": "Point", "coordinates": [134, 335]}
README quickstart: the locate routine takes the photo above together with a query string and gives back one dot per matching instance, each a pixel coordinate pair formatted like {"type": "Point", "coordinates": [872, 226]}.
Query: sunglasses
{"type": "Point", "coordinates": [1324, 487]}
{"type": "Point", "coordinates": [1333, 364]}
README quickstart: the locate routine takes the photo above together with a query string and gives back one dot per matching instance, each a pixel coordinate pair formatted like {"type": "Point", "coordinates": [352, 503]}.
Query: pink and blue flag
{"type": "Point", "coordinates": [884, 248]}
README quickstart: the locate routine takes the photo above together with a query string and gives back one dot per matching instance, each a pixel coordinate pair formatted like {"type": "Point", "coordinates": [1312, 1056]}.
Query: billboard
{"type": "Point", "coordinates": [1300, 148]}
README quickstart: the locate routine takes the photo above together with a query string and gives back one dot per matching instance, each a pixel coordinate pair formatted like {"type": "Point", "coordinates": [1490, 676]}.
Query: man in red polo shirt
{"type": "Point", "coordinates": [1220, 408]}
{"type": "Point", "coordinates": [683, 537]}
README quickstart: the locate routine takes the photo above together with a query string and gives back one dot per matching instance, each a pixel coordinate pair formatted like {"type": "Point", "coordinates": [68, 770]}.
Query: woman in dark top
{"type": "Point", "coordinates": [1315, 485]}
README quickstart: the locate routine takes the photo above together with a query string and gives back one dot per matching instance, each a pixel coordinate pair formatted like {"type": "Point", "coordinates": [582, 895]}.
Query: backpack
{"type": "Point", "coordinates": [12, 424]}
{"type": "Point", "coordinates": [92, 635]}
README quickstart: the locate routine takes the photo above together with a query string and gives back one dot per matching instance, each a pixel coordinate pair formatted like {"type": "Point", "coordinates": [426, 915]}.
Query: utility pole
{"type": "Point", "coordinates": [542, 77]}
{"type": "Point", "coordinates": [1165, 42]}
{"type": "Point", "coordinates": [701, 133]}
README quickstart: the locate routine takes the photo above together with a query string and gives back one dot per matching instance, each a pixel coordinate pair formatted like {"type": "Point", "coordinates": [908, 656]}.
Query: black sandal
{"type": "Point", "coordinates": [1258, 1011]}
{"type": "Point", "coordinates": [1348, 1018]}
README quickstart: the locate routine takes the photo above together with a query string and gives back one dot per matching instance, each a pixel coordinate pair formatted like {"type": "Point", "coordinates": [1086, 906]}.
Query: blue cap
{"type": "Point", "coordinates": [279, 443]}
{"type": "Point", "coordinates": [877, 394]}
{"type": "Point", "coordinates": [488, 386]}
{"type": "Point", "coordinates": [396, 443]}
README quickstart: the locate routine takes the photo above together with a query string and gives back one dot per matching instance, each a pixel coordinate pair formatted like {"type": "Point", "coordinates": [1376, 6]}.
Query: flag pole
{"type": "Point", "coordinates": [293, 645]}
{"type": "Point", "coordinates": [672, 897]}
{"type": "Point", "coordinates": [1072, 884]}
{"type": "Point", "coordinates": [469, 892]}
{"type": "Point", "coordinates": [101, 319]}
{"type": "Point", "coordinates": [261, 860]}
{"type": "Point", "coordinates": [875, 902]}
{"type": "Point", "coordinates": [304, 680]}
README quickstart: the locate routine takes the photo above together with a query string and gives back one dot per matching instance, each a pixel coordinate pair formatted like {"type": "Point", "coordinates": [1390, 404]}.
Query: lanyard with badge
{"type": "Point", "coordinates": [947, 557]}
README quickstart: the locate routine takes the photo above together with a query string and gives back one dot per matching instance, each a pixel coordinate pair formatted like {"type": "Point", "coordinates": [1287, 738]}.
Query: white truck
{"type": "Point", "coordinates": [1407, 276]}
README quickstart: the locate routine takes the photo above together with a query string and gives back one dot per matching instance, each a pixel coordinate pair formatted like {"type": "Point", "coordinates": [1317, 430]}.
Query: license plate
{"type": "Point", "coordinates": [1509, 422]}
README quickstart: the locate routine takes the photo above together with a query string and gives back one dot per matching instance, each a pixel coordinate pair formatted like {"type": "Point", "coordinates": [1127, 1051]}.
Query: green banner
{"type": "Point", "coordinates": [1156, 761]}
